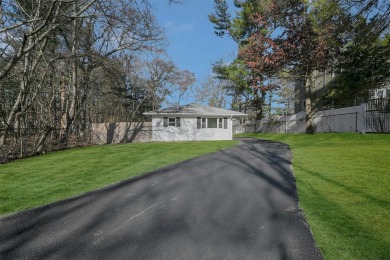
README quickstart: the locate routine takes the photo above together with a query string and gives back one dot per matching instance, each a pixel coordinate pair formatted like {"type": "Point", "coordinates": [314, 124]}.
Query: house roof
{"type": "Point", "coordinates": [194, 110]}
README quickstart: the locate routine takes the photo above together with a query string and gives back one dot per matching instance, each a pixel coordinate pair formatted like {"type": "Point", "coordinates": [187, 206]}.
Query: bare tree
{"type": "Point", "coordinates": [212, 92]}
{"type": "Point", "coordinates": [56, 52]}
{"type": "Point", "coordinates": [24, 44]}
{"type": "Point", "coordinates": [183, 84]}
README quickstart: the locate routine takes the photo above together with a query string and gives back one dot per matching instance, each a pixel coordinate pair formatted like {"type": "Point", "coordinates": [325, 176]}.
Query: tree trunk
{"type": "Point", "coordinates": [308, 106]}
{"type": "Point", "coordinates": [69, 116]}
{"type": "Point", "coordinates": [17, 107]}
{"type": "Point", "coordinates": [42, 139]}
{"type": "Point", "coordinates": [1, 12]}
{"type": "Point", "coordinates": [64, 112]}
{"type": "Point", "coordinates": [29, 66]}
{"type": "Point", "coordinates": [259, 104]}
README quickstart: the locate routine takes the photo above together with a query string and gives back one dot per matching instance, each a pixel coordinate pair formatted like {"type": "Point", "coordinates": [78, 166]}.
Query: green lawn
{"type": "Point", "coordinates": [40, 180]}
{"type": "Point", "coordinates": [343, 183]}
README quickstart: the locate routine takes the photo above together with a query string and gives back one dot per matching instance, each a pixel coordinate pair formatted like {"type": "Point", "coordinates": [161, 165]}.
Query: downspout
{"type": "Point", "coordinates": [231, 128]}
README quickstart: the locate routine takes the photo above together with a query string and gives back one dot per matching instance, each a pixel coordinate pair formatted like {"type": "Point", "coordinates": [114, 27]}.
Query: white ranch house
{"type": "Point", "coordinates": [192, 122]}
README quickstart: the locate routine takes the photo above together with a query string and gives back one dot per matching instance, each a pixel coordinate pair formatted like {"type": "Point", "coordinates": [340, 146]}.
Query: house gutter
{"type": "Point", "coordinates": [195, 115]}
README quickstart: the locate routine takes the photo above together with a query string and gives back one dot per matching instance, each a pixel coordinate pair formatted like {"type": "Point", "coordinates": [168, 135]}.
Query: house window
{"type": "Point", "coordinates": [221, 123]}
{"type": "Point", "coordinates": [212, 123]}
{"type": "Point", "coordinates": [204, 124]}
{"type": "Point", "coordinates": [172, 121]}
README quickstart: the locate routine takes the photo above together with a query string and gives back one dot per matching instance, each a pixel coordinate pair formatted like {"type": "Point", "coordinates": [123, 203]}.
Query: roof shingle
{"type": "Point", "coordinates": [195, 109]}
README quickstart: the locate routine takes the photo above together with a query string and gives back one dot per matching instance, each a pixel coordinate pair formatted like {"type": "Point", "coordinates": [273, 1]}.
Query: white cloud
{"type": "Point", "coordinates": [172, 27]}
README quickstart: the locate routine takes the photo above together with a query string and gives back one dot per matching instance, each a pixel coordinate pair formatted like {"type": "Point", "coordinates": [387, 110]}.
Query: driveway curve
{"type": "Point", "coordinates": [239, 203]}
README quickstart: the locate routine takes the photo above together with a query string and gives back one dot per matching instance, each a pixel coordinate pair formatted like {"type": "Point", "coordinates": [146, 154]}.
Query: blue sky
{"type": "Point", "coordinates": [192, 42]}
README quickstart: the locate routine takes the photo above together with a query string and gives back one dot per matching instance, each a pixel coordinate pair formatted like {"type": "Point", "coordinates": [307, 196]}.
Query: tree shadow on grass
{"type": "Point", "coordinates": [247, 209]}
{"type": "Point", "coordinates": [349, 239]}
{"type": "Point", "coordinates": [350, 189]}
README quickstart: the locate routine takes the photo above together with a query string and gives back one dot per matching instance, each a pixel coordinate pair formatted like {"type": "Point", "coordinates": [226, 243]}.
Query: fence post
{"type": "Point", "coordinates": [356, 122]}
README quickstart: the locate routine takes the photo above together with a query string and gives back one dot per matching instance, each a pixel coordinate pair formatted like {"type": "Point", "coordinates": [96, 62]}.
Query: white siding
{"type": "Point", "coordinates": [188, 131]}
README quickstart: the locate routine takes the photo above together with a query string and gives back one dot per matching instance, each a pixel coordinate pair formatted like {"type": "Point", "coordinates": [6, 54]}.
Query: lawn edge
{"type": "Point", "coordinates": [104, 189]}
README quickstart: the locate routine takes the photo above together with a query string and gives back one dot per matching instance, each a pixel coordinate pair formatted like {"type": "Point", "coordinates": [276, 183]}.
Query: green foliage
{"type": "Point", "coordinates": [239, 27]}
{"type": "Point", "coordinates": [364, 64]}
{"type": "Point", "coordinates": [44, 179]}
{"type": "Point", "coordinates": [249, 82]}
{"type": "Point", "coordinates": [343, 182]}
{"type": "Point", "coordinates": [237, 84]}
{"type": "Point", "coordinates": [221, 18]}
{"type": "Point", "coordinates": [359, 52]}
{"type": "Point", "coordinates": [242, 25]}
{"type": "Point", "coordinates": [302, 36]}
{"type": "Point", "coordinates": [235, 72]}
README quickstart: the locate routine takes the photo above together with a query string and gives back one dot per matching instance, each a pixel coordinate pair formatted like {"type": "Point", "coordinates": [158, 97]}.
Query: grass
{"type": "Point", "coordinates": [343, 183]}
{"type": "Point", "coordinates": [40, 180]}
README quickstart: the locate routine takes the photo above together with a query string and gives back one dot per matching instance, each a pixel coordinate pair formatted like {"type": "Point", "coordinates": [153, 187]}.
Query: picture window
{"type": "Point", "coordinates": [221, 123]}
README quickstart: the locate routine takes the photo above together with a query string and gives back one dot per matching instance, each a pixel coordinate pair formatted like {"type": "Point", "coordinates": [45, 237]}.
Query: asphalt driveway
{"type": "Point", "coordinates": [240, 203]}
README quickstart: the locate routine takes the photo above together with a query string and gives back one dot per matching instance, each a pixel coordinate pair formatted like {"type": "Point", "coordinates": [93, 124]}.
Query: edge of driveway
{"type": "Point", "coordinates": [104, 189]}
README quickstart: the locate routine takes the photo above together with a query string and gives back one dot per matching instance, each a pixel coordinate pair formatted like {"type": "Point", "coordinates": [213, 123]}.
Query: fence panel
{"type": "Point", "coordinates": [378, 122]}
{"type": "Point", "coordinates": [378, 115]}
{"type": "Point", "coordinates": [351, 119]}
{"type": "Point", "coordinates": [121, 132]}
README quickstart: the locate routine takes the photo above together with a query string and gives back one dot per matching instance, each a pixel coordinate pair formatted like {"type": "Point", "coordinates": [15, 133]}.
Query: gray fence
{"type": "Point", "coordinates": [371, 117]}
{"type": "Point", "coordinates": [378, 115]}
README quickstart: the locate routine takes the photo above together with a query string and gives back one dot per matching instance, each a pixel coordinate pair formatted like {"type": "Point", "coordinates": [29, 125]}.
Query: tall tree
{"type": "Point", "coordinates": [58, 58]}
{"type": "Point", "coordinates": [275, 35]}
{"type": "Point", "coordinates": [308, 49]}
{"type": "Point", "coordinates": [237, 82]}
{"type": "Point", "coordinates": [253, 31]}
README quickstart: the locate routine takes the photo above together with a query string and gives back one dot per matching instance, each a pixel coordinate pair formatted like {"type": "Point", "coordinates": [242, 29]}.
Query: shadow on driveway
{"type": "Point", "coordinates": [239, 203]}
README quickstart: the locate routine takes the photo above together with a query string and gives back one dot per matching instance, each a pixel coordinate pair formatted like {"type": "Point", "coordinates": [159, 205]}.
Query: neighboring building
{"type": "Point", "coordinates": [380, 93]}
{"type": "Point", "coordinates": [193, 122]}
{"type": "Point", "coordinates": [321, 85]}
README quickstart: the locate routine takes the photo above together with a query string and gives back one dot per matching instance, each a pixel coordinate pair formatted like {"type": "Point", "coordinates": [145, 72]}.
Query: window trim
{"type": "Point", "coordinates": [171, 121]}
{"type": "Point", "coordinates": [220, 123]}
{"type": "Point", "coordinates": [203, 123]}
{"type": "Point", "coordinates": [212, 122]}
